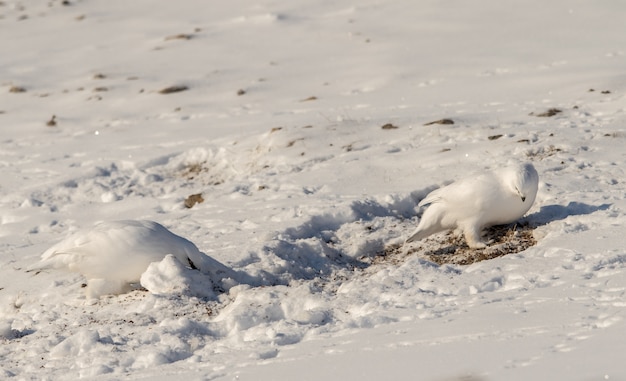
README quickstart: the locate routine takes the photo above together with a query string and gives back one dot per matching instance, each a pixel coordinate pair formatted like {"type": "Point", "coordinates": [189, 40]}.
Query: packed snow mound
{"type": "Point", "coordinates": [473, 203]}
{"type": "Point", "coordinates": [114, 254]}
{"type": "Point", "coordinates": [170, 277]}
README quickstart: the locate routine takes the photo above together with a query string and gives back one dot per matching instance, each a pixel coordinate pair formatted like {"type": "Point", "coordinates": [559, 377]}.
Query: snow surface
{"type": "Point", "coordinates": [280, 131]}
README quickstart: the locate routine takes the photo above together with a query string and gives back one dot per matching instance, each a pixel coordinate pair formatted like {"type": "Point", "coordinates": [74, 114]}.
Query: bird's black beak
{"type": "Point", "coordinates": [523, 198]}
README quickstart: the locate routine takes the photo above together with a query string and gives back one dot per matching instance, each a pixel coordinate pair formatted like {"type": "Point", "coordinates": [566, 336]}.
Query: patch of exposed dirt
{"type": "Point", "coordinates": [451, 248]}
{"type": "Point", "coordinates": [193, 200]}
{"type": "Point", "coordinates": [440, 121]}
{"type": "Point", "coordinates": [543, 152]}
{"type": "Point", "coordinates": [546, 114]}
{"type": "Point", "coordinates": [389, 126]}
{"type": "Point", "coordinates": [192, 170]}
{"type": "Point", "coordinates": [173, 89]}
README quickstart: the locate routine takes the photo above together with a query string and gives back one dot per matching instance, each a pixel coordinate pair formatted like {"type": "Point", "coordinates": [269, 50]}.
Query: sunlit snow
{"type": "Point", "coordinates": [285, 147]}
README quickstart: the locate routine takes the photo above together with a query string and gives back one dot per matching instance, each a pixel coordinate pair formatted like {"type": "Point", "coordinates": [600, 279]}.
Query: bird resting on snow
{"type": "Point", "coordinates": [114, 254]}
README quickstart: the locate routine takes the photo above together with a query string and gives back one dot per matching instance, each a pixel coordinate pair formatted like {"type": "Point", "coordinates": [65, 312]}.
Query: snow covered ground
{"type": "Point", "coordinates": [304, 126]}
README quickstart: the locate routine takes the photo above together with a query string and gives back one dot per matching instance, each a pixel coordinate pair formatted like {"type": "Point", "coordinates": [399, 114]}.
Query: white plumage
{"type": "Point", "coordinates": [474, 203]}
{"type": "Point", "coordinates": [114, 254]}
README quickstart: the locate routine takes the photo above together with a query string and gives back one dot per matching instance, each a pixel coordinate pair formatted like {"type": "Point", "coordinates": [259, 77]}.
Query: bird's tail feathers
{"type": "Point", "coordinates": [56, 260]}
{"type": "Point", "coordinates": [417, 236]}
{"type": "Point", "coordinates": [431, 198]}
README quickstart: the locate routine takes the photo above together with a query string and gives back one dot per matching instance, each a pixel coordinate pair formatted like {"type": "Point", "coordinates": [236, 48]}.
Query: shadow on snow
{"type": "Point", "coordinates": [551, 213]}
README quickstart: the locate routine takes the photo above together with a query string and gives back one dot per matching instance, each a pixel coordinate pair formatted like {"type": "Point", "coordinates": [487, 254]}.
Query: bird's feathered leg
{"type": "Point", "coordinates": [472, 231]}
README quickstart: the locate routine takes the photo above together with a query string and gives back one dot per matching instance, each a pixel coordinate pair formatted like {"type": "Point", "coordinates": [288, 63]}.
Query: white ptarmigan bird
{"type": "Point", "coordinates": [474, 203]}
{"type": "Point", "coordinates": [114, 254]}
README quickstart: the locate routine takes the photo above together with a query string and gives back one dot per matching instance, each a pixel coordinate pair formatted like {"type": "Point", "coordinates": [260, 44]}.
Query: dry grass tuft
{"type": "Point", "coordinates": [173, 89]}
{"type": "Point", "coordinates": [543, 152]}
{"type": "Point", "coordinates": [548, 113]}
{"type": "Point", "coordinates": [17, 89]}
{"type": "Point", "coordinates": [193, 200]}
{"type": "Point", "coordinates": [52, 122]}
{"type": "Point", "coordinates": [192, 170]}
{"type": "Point", "coordinates": [440, 121]}
{"type": "Point", "coordinates": [180, 36]}
{"type": "Point", "coordinates": [200, 173]}
{"type": "Point", "coordinates": [389, 126]}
